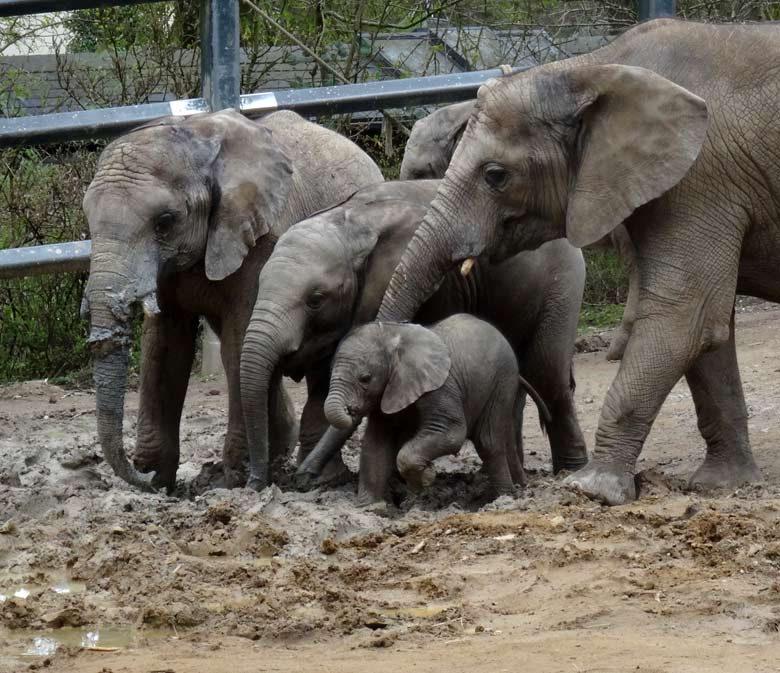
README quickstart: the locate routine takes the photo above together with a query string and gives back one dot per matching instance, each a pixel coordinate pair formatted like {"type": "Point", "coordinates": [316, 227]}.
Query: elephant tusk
{"type": "Point", "coordinates": [467, 266]}
{"type": "Point", "coordinates": [149, 304]}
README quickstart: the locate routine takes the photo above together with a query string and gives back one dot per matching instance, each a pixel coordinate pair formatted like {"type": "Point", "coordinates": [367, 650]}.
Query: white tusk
{"type": "Point", "coordinates": [467, 266]}
{"type": "Point", "coordinates": [149, 303]}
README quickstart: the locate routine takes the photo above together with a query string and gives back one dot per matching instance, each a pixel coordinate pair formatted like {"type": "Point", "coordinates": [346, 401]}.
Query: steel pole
{"type": "Point", "coordinates": [220, 72]}
{"type": "Point", "coordinates": [655, 9]}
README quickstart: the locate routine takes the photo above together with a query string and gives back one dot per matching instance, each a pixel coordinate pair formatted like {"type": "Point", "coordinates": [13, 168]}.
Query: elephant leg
{"type": "Point", "coordinates": [377, 461]}
{"type": "Point", "coordinates": [547, 366]}
{"type": "Point", "coordinates": [518, 424]}
{"type": "Point", "coordinates": [314, 424]}
{"type": "Point", "coordinates": [167, 352]}
{"type": "Point", "coordinates": [415, 459]}
{"type": "Point", "coordinates": [722, 415]}
{"type": "Point", "coordinates": [496, 444]}
{"type": "Point", "coordinates": [684, 310]}
{"type": "Point", "coordinates": [282, 424]}
{"type": "Point", "coordinates": [625, 249]}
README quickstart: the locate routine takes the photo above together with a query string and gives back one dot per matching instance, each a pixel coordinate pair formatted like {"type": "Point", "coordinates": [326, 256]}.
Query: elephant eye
{"type": "Point", "coordinates": [495, 175]}
{"type": "Point", "coordinates": [315, 299]}
{"type": "Point", "coordinates": [164, 222]}
{"type": "Point", "coordinates": [364, 378]}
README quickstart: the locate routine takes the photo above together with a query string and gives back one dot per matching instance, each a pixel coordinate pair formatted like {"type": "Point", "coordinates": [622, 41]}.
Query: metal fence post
{"type": "Point", "coordinates": [220, 73]}
{"type": "Point", "coordinates": [654, 9]}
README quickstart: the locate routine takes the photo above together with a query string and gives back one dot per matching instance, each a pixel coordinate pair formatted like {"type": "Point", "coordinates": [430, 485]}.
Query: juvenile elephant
{"type": "Point", "coordinates": [183, 212]}
{"type": "Point", "coordinates": [427, 155]}
{"type": "Point", "coordinates": [425, 391]}
{"type": "Point", "coordinates": [624, 135]}
{"type": "Point", "coordinates": [330, 272]}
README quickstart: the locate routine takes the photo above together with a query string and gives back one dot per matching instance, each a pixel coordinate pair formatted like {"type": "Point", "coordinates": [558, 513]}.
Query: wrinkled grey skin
{"type": "Point", "coordinates": [425, 391]}
{"type": "Point", "coordinates": [183, 213]}
{"type": "Point", "coordinates": [330, 272]}
{"type": "Point", "coordinates": [624, 135]}
{"type": "Point", "coordinates": [427, 155]}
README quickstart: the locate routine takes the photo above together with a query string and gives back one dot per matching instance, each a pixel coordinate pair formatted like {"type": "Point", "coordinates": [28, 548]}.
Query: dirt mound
{"type": "Point", "coordinates": [673, 582]}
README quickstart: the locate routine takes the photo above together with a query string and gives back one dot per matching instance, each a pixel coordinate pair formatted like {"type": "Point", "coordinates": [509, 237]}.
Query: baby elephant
{"type": "Point", "coordinates": [426, 391]}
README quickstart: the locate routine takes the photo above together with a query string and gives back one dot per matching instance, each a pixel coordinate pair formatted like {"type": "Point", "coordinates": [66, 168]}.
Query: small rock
{"type": "Point", "coordinates": [557, 521]}
{"type": "Point", "coordinates": [66, 617]}
{"type": "Point", "coordinates": [214, 392]}
{"type": "Point", "coordinates": [328, 546]}
{"type": "Point", "coordinates": [9, 528]}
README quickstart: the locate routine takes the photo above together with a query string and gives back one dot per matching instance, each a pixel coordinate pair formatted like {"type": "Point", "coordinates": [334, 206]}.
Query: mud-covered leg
{"type": "Point", "coordinates": [415, 459]}
{"type": "Point", "coordinates": [720, 407]}
{"type": "Point", "coordinates": [167, 352]}
{"type": "Point", "coordinates": [314, 424]}
{"type": "Point", "coordinates": [496, 444]}
{"type": "Point", "coordinates": [549, 370]}
{"type": "Point", "coordinates": [377, 461]}
{"type": "Point", "coordinates": [281, 418]}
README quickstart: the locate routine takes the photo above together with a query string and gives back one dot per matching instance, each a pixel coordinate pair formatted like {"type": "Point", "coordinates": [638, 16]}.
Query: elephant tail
{"type": "Point", "coordinates": [544, 413]}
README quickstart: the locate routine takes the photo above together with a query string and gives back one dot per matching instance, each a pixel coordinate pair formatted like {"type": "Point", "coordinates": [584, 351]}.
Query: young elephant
{"type": "Point", "coordinates": [329, 272]}
{"type": "Point", "coordinates": [183, 213]}
{"type": "Point", "coordinates": [426, 391]}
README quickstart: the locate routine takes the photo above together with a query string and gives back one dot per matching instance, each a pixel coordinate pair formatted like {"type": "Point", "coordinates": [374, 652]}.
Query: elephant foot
{"type": "Point", "coordinates": [571, 463]}
{"type": "Point", "coordinates": [605, 483]}
{"type": "Point", "coordinates": [257, 482]}
{"type": "Point", "coordinates": [164, 472]}
{"type": "Point", "coordinates": [714, 475]}
{"type": "Point", "coordinates": [379, 507]}
{"type": "Point", "coordinates": [235, 474]}
{"type": "Point", "coordinates": [418, 480]}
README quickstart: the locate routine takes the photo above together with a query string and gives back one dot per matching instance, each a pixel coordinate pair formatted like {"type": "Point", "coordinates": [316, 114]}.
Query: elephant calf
{"type": "Point", "coordinates": [183, 213]}
{"type": "Point", "coordinates": [425, 392]}
{"type": "Point", "coordinates": [329, 272]}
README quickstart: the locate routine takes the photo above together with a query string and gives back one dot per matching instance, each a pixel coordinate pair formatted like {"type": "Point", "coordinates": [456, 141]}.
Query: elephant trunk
{"type": "Point", "coordinates": [336, 407]}
{"type": "Point", "coordinates": [269, 337]}
{"type": "Point", "coordinates": [438, 244]}
{"type": "Point", "coordinates": [110, 337]}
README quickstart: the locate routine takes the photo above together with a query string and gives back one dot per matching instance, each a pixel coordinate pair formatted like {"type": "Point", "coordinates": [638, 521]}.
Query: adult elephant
{"type": "Point", "coordinates": [330, 272]}
{"type": "Point", "coordinates": [428, 153]}
{"type": "Point", "coordinates": [623, 135]}
{"type": "Point", "coordinates": [183, 212]}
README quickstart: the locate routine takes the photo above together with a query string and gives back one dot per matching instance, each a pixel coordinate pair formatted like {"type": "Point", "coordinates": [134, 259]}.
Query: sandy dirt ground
{"type": "Point", "coordinates": [97, 578]}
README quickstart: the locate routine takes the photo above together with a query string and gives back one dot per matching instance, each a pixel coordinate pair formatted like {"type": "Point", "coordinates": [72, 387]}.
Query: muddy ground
{"type": "Point", "coordinates": [95, 577]}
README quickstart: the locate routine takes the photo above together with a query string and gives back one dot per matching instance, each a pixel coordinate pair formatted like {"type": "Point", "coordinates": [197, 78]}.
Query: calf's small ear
{"type": "Point", "coordinates": [420, 363]}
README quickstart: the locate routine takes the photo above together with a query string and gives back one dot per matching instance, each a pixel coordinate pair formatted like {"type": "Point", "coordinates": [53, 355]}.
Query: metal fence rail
{"type": "Point", "coordinates": [36, 260]}
{"type": "Point", "coordinates": [328, 100]}
{"type": "Point", "coordinates": [220, 75]}
{"type": "Point", "coordinates": [21, 7]}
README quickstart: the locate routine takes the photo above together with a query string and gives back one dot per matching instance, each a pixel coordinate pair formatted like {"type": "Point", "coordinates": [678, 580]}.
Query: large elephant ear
{"type": "Point", "coordinates": [251, 179]}
{"type": "Point", "coordinates": [420, 363]}
{"type": "Point", "coordinates": [639, 136]}
{"type": "Point", "coordinates": [379, 233]}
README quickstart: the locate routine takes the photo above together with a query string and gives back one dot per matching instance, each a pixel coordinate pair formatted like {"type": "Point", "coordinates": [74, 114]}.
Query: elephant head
{"type": "Point", "coordinates": [557, 151]}
{"type": "Point", "coordinates": [325, 274]}
{"type": "Point", "coordinates": [165, 197]}
{"type": "Point", "coordinates": [433, 141]}
{"type": "Point", "coordinates": [386, 365]}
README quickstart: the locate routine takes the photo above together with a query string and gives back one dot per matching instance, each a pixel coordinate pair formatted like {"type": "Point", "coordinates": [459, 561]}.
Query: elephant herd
{"type": "Point", "coordinates": [286, 238]}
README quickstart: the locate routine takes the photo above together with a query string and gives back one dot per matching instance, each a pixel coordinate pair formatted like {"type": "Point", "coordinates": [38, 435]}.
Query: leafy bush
{"type": "Point", "coordinates": [41, 333]}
